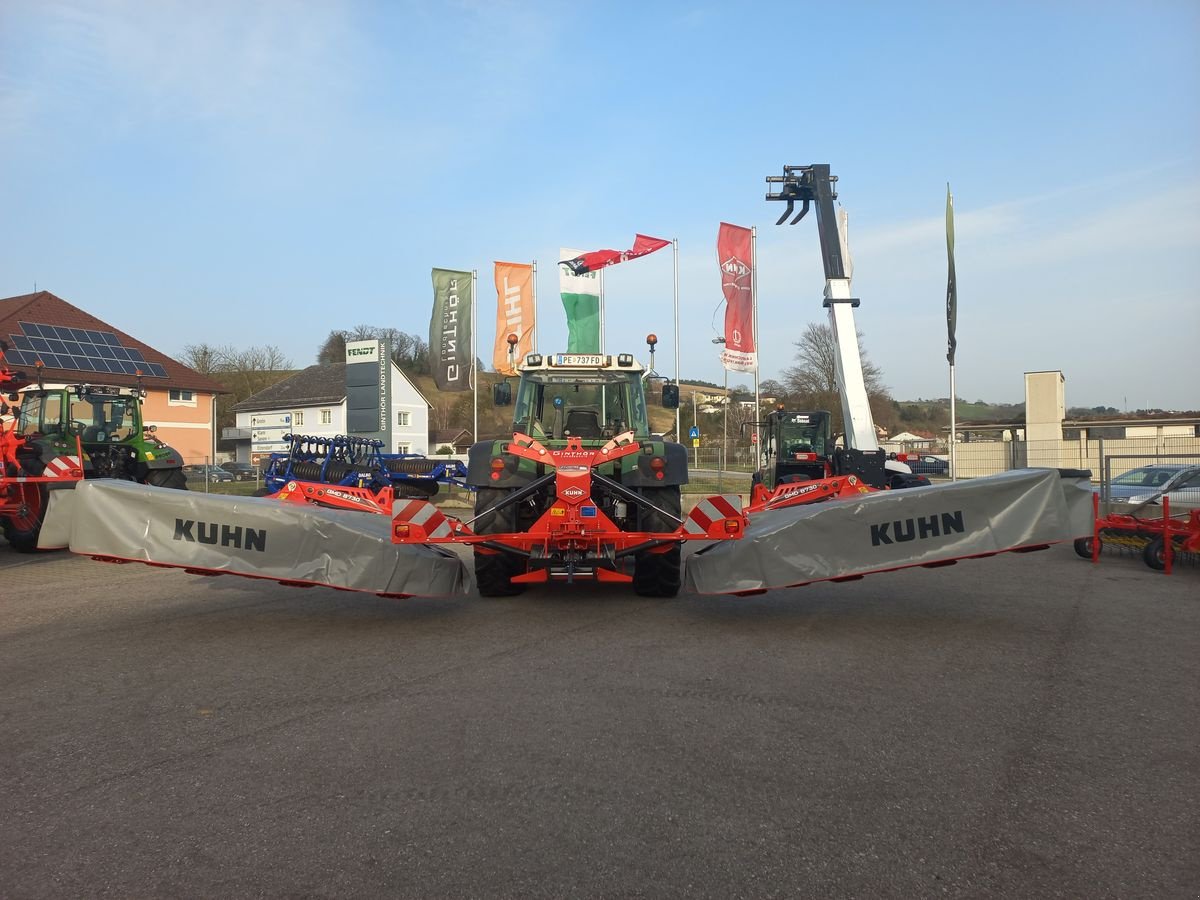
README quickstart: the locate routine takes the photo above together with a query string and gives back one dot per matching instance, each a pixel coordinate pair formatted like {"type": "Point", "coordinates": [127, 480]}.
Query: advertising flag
{"type": "Point", "coordinates": [450, 330]}
{"type": "Point", "coordinates": [951, 282]}
{"type": "Point", "coordinates": [581, 300]}
{"type": "Point", "coordinates": [734, 255]}
{"type": "Point", "coordinates": [582, 263]}
{"type": "Point", "coordinates": [514, 314]}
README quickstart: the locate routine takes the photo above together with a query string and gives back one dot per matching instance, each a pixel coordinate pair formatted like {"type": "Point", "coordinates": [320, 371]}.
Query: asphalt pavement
{"type": "Point", "coordinates": [1019, 726]}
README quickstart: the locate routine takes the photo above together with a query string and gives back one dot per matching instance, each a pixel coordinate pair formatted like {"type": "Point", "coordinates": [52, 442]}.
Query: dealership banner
{"type": "Point", "coordinates": [951, 281]}
{"type": "Point", "coordinates": [737, 267]}
{"type": "Point", "coordinates": [581, 301]}
{"type": "Point", "coordinates": [450, 330]}
{"type": "Point", "coordinates": [514, 314]}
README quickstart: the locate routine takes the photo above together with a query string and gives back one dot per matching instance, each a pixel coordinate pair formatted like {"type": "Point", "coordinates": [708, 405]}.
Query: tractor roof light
{"type": "Point", "coordinates": [533, 359]}
{"type": "Point", "coordinates": [624, 359]}
{"type": "Point", "coordinates": [512, 340]}
{"type": "Point", "coordinates": [652, 339]}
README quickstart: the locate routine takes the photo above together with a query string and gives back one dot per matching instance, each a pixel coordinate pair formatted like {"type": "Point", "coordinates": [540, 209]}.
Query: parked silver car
{"type": "Point", "coordinates": [1147, 485]}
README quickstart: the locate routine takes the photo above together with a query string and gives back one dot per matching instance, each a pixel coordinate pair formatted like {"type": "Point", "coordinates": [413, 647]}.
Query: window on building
{"type": "Point", "coordinates": [327, 417]}
{"type": "Point", "coordinates": [180, 397]}
{"type": "Point", "coordinates": [403, 448]}
{"type": "Point", "coordinates": [297, 419]}
{"type": "Point", "coordinates": [403, 419]}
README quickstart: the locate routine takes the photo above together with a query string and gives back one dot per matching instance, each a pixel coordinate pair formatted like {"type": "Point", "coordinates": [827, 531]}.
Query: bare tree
{"type": "Point", "coordinates": [203, 358]}
{"type": "Point", "coordinates": [812, 382]}
{"type": "Point", "coordinates": [815, 371]}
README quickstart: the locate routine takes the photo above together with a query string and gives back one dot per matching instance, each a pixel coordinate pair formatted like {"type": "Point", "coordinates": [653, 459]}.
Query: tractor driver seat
{"type": "Point", "coordinates": [583, 423]}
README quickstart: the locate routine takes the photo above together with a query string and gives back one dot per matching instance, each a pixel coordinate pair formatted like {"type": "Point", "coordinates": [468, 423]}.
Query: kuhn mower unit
{"type": "Point", "coordinates": [583, 521]}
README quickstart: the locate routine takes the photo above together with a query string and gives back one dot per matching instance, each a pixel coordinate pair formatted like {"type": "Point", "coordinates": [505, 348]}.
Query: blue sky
{"type": "Point", "coordinates": [252, 174]}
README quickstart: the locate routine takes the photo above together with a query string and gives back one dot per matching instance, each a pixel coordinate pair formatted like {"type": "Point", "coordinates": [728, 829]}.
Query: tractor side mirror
{"type": "Point", "coordinates": [670, 396]}
{"type": "Point", "coordinates": [502, 394]}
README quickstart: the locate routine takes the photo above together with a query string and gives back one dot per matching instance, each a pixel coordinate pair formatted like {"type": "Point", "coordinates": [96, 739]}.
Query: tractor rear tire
{"type": "Point", "coordinates": [658, 574]}
{"type": "Point", "coordinates": [167, 478]}
{"type": "Point", "coordinates": [494, 571]}
{"type": "Point", "coordinates": [22, 531]}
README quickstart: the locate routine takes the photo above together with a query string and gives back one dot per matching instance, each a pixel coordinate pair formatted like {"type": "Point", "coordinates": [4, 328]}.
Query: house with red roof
{"type": "Point", "coordinates": [68, 346]}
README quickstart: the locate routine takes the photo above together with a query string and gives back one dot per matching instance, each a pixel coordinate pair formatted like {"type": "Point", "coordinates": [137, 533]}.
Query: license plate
{"type": "Point", "coordinates": [579, 359]}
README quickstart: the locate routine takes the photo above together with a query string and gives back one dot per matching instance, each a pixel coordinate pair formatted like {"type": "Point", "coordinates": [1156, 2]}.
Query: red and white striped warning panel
{"type": "Point", "coordinates": [425, 516]}
{"type": "Point", "coordinates": [61, 467]}
{"type": "Point", "coordinates": [717, 509]}
{"type": "Point", "coordinates": [66, 468]}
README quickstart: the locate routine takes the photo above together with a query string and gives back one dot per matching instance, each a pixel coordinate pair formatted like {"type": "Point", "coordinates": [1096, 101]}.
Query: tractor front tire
{"type": "Point", "coordinates": [494, 571]}
{"type": "Point", "coordinates": [658, 574]}
{"type": "Point", "coordinates": [167, 478]}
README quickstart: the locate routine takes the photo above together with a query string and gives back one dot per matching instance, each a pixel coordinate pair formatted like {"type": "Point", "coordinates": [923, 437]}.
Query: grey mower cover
{"type": "Point", "coordinates": [256, 537]}
{"type": "Point", "coordinates": [893, 529]}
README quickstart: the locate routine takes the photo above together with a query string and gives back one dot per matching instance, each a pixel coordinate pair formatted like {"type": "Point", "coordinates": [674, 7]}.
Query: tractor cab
{"type": "Point", "coordinates": [592, 397]}
{"type": "Point", "coordinates": [93, 414]}
{"type": "Point", "coordinates": [107, 421]}
{"type": "Point", "coordinates": [797, 446]}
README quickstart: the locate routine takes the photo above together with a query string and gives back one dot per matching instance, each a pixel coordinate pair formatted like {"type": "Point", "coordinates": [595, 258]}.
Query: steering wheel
{"type": "Point", "coordinates": [76, 427]}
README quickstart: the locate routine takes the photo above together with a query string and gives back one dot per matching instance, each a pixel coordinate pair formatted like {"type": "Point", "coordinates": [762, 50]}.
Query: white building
{"type": "Point", "coordinates": [313, 402]}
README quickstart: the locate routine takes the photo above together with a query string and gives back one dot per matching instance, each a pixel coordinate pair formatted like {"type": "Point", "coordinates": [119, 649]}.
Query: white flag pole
{"type": "Point", "coordinates": [600, 279]}
{"type": "Point", "coordinates": [953, 429]}
{"type": "Point", "coordinates": [678, 423]}
{"type": "Point", "coordinates": [474, 347]}
{"type": "Point", "coordinates": [533, 278]}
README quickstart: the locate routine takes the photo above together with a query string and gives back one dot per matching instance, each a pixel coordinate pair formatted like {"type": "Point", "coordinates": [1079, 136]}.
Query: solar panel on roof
{"type": "Point", "coordinates": [81, 349]}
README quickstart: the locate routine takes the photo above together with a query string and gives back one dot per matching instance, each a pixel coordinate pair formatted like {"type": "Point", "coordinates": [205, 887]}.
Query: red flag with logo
{"type": "Point", "coordinates": [598, 259]}
{"type": "Point", "coordinates": [734, 254]}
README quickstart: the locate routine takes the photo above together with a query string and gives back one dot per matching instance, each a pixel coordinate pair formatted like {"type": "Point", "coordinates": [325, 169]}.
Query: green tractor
{"type": "Point", "coordinates": [106, 424]}
{"type": "Point", "coordinates": [573, 405]}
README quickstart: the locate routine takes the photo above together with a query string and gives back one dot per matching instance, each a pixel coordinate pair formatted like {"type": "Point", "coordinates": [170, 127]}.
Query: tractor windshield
{"type": "Point", "coordinates": [803, 433]}
{"type": "Point", "coordinates": [587, 405]}
{"type": "Point", "coordinates": [103, 418]}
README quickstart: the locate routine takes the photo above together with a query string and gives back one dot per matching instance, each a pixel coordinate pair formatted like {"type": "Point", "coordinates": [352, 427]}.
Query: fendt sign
{"type": "Point", "coordinates": [369, 390]}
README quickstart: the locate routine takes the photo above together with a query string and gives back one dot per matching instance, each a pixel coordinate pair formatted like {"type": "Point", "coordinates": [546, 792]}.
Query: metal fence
{"type": "Point", "coordinates": [1105, 458]}
{"type": "Point", "coordinates": [728, 468]}
{"type": "Point", "coordinates": [976, 458]}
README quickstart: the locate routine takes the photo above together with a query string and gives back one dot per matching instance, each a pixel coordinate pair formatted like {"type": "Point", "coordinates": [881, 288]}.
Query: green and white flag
{"type": "Point", "coordinates": [581, 300]}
